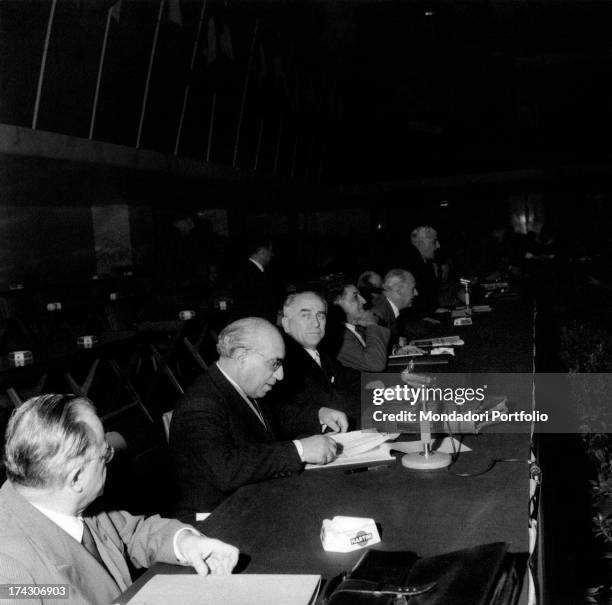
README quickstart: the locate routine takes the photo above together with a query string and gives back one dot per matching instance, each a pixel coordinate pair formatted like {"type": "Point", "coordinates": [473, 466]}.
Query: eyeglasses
{"type": "Point", "coordinates": [273, 364]}
{"type": "Point", "coordinates": [107, 456]}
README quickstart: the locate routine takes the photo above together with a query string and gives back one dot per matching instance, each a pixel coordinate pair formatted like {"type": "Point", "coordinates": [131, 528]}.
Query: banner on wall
{"type": "Point", "coordinates": [111, 227]}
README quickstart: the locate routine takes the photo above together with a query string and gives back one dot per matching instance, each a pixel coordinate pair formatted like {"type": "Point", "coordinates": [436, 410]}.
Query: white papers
{"type": "Point", "coordinates": [443, 341]}
{"type": "Point", "coordinates": [360, 447]}
{"type": "Point", "coordinates": [407, 351]}
{"type": "Point", "coordinates": [254, 589]}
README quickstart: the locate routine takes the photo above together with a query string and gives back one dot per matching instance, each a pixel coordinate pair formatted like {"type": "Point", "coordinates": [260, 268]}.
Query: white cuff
{"type": "Point", "coordinates": [177, 552]}
{"type": "Point", "coordinates": [300, 449]}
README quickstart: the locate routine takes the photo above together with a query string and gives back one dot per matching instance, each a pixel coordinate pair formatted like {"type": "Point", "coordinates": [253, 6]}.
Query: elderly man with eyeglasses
{"type": "Point", "coordinates": [55, 457]}
{"type": "Point", "coordinates": [223, 435]}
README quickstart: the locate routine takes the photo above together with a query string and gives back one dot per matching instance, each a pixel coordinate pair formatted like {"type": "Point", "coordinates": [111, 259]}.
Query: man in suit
{"type": "Point", "coordinates": [364, 343]}
{"type": "Point", "coordinates": [398, 293]}
{"type": "Point", "coordinates": [312, 378]}
{"type": "Point", "coordinates": [222, 434]}
{"type": "Point", "coordinates": [55, 456]}
{"type": "Point", "coordinates": [421, 263]}
{"type": "Point", "coordinates": [254, 293]}
{"type": "Point", "coordinates": [353, 336]}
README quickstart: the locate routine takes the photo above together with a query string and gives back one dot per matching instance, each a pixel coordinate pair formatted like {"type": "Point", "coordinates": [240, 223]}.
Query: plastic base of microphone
{"type": "Point", "coordinates": [419, 461]}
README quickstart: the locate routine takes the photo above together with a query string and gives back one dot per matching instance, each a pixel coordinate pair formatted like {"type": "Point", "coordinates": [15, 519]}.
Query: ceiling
{"type": "Point", "coordinates": [349, 94]}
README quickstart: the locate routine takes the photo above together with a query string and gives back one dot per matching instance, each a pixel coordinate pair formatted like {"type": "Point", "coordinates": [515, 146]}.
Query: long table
{"type": "Point", "coordinates": [276, 524]}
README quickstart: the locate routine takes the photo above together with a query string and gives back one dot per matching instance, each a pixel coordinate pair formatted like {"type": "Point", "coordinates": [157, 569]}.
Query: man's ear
{"type": "Point", "coordinates": [240, 355]}
{"type": "Point", "coordinates": [75, 478]}
{"type": "Point", "coordinates": [285, 323]}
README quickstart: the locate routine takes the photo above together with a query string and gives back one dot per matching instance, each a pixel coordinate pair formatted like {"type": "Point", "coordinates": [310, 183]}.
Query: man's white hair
{"type": "Point", "coordinates": [423, 232]}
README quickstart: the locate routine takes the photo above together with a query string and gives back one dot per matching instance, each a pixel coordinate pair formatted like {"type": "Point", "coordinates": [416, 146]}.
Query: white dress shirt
{"type": "Point", "coordinates": [353, 329]}
{"type": "Point", "coordinates": [73, 526]}
{"type": "Point", "coordinates": [258, 265]}
{"type": "Point", "coordinates": [298, 444]}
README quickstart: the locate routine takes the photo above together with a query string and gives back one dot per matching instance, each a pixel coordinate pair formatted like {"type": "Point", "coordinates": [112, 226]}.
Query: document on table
{"type": "Point", "coordinates": [254, 589]}
{"type": "Point", "coordinates": [360, 447]}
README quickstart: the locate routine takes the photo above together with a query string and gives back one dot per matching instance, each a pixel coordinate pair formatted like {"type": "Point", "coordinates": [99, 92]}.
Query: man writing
{"type": "Point", "coordinates": [55, 456]}
{"type": "Point", "coordinates": [223, 435]}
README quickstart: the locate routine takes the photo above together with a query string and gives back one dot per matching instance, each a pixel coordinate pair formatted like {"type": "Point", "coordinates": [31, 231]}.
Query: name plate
{"type": "Point", "coordinates": [86, 342]}
{"type": "Point", "coordinates": [18, 359]}
{"type": "Point", "coordinates": [462, 321]}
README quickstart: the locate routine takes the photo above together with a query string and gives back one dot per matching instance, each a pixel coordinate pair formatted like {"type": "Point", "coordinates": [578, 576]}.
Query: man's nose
{"type": "Point", "coordinates": [278, 373]}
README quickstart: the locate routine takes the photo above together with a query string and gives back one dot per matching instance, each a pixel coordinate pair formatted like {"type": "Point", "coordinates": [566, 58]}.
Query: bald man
{"type": "Point", "coordinates": [224, 436]}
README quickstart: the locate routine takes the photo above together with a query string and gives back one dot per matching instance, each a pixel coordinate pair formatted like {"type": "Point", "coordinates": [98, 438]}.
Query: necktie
{"type": "Point", "coordinates": [361, 330]}
{"type": "Point", "coordinates": [317, 357]}
{"type": "Point", "coordinates": [90, 546]}
{"type": "Point", "coordinates": [258, 410]}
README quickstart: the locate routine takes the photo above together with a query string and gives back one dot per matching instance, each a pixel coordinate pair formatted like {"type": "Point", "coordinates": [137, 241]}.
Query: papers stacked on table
{"type": "Point", "coordinates": [360, 447]}
{"type": "Point", "coordinates": [254, 589]}
{"type": "Point", "coordinates": [442, 341]}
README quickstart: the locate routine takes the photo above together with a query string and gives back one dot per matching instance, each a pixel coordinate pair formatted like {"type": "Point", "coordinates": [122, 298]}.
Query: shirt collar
{"type": "Point", "coordinates": [314, 354]}
{"type": "Point", "coordinates": [393, 308]}
{"type": "Point", "coordinates": [234, 384]}
{"type": "Point", "coordinates": [353, 329]}
{"type": "Point", "coordinates": [258, 265]}
{"type": "Point", "coordinates": [246, 398]}
{"type": "Point", "coordinates": [73, 526]}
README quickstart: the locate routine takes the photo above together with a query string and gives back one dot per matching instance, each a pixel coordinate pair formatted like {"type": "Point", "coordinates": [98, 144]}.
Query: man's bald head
{"type": "Point", "coordinates": [251, 352]}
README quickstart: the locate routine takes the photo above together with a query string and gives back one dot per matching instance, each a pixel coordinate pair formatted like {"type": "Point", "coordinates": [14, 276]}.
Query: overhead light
{"type": "Point", "coordinates": [429, 13]}
{"type": "Point", "coordinates": [443, 204]}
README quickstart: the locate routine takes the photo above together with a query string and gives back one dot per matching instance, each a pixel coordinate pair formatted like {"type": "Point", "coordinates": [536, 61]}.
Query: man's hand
{"type": "Point", "coordinates": [319, 449]}
{"type": "Point", "coordinates": [207, 555]}
{"type": "Point", "coordinates": [366, 318]}
{"type": "Point", "coordinates": [334, 419]}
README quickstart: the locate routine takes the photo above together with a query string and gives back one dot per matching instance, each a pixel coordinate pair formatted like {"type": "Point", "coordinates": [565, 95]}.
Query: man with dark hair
{"type": "Point", "coordinates": [254, 293]}
{"type": "Point", "coordinates": [223, 435]}
{"type": "Point", "coordinates": [364, 343]}
{"type": "Point", "coordinates": [353, 335]}
{"type": "Point", "coordinates": [369, 284]}
{"type": "Point", "coordinates": [55, 456]}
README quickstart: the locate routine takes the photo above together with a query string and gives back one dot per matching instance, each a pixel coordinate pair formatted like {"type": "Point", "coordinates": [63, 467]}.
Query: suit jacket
{"type": "Point", "coordinates": [406, 324]}
{"type": "Point", "coordinates": [372, 357]}
{"type": "Point", "coordinates": [34, 550]}
{"type": "Point", "coordinates": [218, 444]}
{"type": "Point", "coordinates": [355, 358]}
{"type": "Point", "coordinates": [306, 387]}
{"type": "Point", "coordinates": [386, 318]}
{"type": "Point", "coordinates": [427, 283]}
{"type": "Point", "coordinates": [254, 293]}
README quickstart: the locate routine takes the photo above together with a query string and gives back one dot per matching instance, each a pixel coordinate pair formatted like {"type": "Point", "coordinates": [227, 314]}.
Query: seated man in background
{"type": "Point", "coordinates": [222, 435]}
{"type": "Point", "coordinates": [55, 456]}
{"type": "Point", "coordinates": [354, 336]}
{"type": "Point", "coordinates": [369, 284]}
{"type": "Point", "coordinates": [312, 378]}
{"type": "Point", "coordinates": [425, 271]}
{"type": "Point", "coordinates": [398, 293]}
